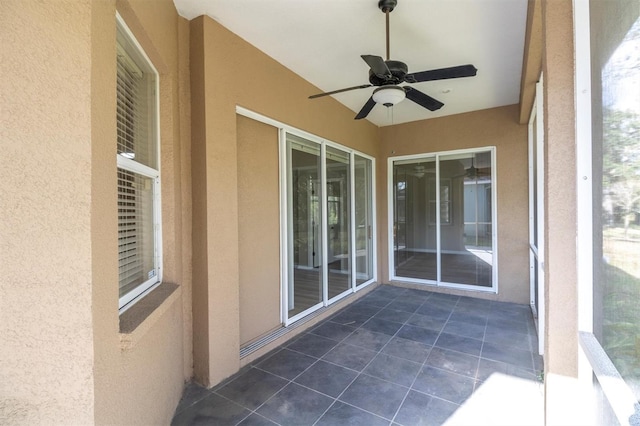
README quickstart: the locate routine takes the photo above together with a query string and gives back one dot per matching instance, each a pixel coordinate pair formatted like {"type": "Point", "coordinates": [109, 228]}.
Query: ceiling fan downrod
{"type": "Point", "coordinates": [387, 6]}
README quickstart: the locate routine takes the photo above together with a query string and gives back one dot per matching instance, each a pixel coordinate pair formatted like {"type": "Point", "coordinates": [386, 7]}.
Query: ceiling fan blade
{"type": "Point", "coordinates": [441, 74]}
{"type": "Point", "coordinates": [366, 109]}
{"type": "Point", "coordinates": [377, 65]}
{"type": "Point", "coordinates": [333, 92]}
{"type": "Point", "coordinates": [423, 100]}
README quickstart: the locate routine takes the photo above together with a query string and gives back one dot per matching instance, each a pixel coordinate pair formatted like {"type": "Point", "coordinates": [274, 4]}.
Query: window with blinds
{"type": "Point", "coordinates": [139, 257]}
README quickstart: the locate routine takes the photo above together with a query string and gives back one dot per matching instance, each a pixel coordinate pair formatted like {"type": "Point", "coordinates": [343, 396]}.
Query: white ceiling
{"type": "Point", "coordinates": [322, 42]}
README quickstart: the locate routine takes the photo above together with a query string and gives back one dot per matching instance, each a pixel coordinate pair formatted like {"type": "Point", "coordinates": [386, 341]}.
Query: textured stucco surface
{"type": "Point", "coordinates": [128, 366]}
{"type": "Point", "coordinates": [561, 290]}
{"type": "Point", "coordinates": [63, 360]}
{"type": "Point", "coordinates": [497, 127]}
{"type": "Point", "coordinates": [258, 228]}
{"type": "Point", "coordinates": [45, 241]}
{"type": "Point", "coordinates": [275, 92]}
{"type": "Point", "coordinates": [560, 190]}
{"type": "Point", "coordinates": [532, 62]}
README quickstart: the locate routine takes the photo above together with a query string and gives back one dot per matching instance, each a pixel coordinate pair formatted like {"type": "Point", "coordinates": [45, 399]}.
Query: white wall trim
{"type": "Point", "coordinates": [584, 179]}
{"type": "Point", "coordinates": [620, 397]}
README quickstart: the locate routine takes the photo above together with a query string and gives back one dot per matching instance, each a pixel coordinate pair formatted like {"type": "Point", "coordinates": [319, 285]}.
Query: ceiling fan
{"type": "Point", "coordinates": [474, 172]}
{"type": "Point", "coordinates": [419, 171]}
{"type": "Point", "coordinates": [388, 75]}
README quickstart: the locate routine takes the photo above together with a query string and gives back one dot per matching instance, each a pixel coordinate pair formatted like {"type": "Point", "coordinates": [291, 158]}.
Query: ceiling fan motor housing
{"type": "Point", "coordinates": [387, 5]}
{"type": "Point", "coordinates": [398, 71]}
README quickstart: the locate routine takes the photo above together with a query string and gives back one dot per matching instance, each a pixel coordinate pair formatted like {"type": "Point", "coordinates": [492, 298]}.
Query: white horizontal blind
{"type": "Point", "coordinates": [135, 123]}
{"type": "Point", "coordinates": [135, 230]}
{"type": "Point", "coordinates": [138, 174]}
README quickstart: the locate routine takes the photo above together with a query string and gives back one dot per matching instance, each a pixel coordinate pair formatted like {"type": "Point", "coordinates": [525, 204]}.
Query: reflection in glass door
{"type": "Point", "coordinates": [305, 244]}
{"type": "Point", "coordinates": [443, 209]}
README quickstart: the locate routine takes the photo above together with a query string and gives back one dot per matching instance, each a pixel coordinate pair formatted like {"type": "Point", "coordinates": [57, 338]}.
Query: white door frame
{"type": "Point", "coordinates": [536, 212]}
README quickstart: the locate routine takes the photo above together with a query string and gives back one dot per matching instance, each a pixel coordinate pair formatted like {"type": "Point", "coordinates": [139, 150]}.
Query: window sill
{"type": "Point", "coordinates": [136, 321]}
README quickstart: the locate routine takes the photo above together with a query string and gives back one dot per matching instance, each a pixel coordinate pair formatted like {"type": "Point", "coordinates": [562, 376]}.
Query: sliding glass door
{"type": "Point", "coordinates": [338, 221]}
{"type": "Point", "coordinates": [305, 213]}
{"type": "Point", "coordinates": [363, 206]}
{"type": "Point", "coordinates": [329, 210]}
{"type": "Point", "coordinates": [443, 219]}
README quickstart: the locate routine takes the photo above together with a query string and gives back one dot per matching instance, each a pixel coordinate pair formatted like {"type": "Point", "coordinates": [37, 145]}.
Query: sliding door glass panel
{"type": "Point", "coordinates": [415, 254]}
{"type": "Point", "coordinates": [338, 221]}
{"type": "Point", "coordinates": [364, 220]}
{"type": "Point", "coordinates": [466, 219]}
{"type": "Point", "coordinates": [305, 221]}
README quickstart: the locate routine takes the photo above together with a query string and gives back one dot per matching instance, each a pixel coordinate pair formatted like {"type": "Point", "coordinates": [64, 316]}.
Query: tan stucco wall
{"type": "Point", "coordinates": [46, 355]}
{"type": "Point", "coordinates": [127, 367]}
{"type": "Point", "coordinates": [258, 228]}
{"type": "Point", "coordinates": [532, 61]}
{"type": "Point", "coordinates": [63, 360]}
{"type": "Point", "coordinates": [200, 291]}
{"type": "Point", "coordinates": [497, 127]}
{"type": "Point", "coordinates": [561, 291]}
{"type": "Point", "coordinates": [225, 72]}
{"type": "Point", "coordinates": [560, 188]}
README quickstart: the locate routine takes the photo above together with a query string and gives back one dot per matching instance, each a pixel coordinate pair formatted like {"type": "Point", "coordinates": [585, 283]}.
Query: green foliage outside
{"type": "Point", "coordinates": [621, 303]}
{"type": "Point", "coordinates": [621, 243]}
{"type": "Point", "coordinates": [621, 168]}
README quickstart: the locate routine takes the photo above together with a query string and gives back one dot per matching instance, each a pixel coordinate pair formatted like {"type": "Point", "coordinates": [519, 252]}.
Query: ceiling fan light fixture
{"type": "Point", "coordinates": [389, 95]}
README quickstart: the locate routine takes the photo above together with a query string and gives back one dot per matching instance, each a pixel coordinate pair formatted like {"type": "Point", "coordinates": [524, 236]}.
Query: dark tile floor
{"type": "Point", "coordinates": [397, 356]}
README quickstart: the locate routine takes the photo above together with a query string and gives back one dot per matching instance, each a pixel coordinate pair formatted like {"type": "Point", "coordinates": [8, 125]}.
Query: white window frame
{"type": "Point", "coordinates": [141, 60]}
{"type": "Point", "coordinates": [593, 361]}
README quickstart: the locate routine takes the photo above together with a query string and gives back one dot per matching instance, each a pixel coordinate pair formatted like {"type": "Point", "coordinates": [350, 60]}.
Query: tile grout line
{"type": "Point", "coordinates": [337, 399]}
{"type": "Point", "coordinates": [484, 335]}
{"type": "Point", "coordinates": [414, 379]}
{"type": "Point", "coordinates": [376, 353]}
{"type": "Point", "coordinates": [423, 362]}
{"type": "Point", "coordinates": [362, 372]}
